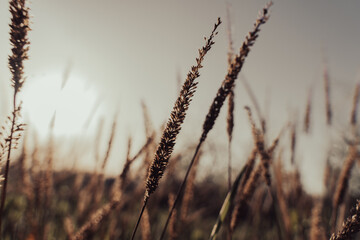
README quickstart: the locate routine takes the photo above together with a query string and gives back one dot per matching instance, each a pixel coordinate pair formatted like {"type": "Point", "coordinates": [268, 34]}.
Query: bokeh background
{"type": "Point", "coordinates": [91, 60]}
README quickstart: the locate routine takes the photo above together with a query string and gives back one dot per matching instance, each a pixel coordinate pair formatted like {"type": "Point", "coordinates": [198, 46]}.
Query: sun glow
{"type": "Point", "coordinates": [71, 104]}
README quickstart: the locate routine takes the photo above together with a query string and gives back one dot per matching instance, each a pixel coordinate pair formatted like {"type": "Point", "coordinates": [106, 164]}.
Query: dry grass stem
{"type": "Point", "coordinates": [317, 231]}
{"type": "Point", "coordinates": [344, 177]}
{"type": "Point", "coordinates": [145, 226]}
{"type": "Point", "coordinates": [172, 222]}
{"type": "Point", "coordinates": [189, 190]}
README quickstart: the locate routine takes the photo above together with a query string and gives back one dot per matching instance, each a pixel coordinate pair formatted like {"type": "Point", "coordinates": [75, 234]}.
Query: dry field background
{"type": "Point", "coordinates": [157, 194]}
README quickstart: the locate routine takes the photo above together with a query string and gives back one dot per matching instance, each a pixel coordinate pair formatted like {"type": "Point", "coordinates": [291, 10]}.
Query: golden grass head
{"type": "Point", "coordinates": [234, 69]}
{"type": "Point", "coordinates": [177, 116]}
{"type": "Point", "coordinates": [19, 28]}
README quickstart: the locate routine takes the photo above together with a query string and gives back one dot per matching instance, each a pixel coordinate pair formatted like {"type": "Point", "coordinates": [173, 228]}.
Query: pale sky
{"type": "Point", "coordinates": [122, 52]}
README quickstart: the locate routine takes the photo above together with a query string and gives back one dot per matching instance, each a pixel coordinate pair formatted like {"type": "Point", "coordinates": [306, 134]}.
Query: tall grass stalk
{"type": "Point", "coordinates": [19, 28]}
{"type": "Point", "coordinates": [224, 90]}
{"type": "Point", "coordinates": [173, 127]}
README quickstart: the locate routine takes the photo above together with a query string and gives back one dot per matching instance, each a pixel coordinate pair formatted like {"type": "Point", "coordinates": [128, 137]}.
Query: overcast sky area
{"type": "Point", "coordinates": [119, 53]}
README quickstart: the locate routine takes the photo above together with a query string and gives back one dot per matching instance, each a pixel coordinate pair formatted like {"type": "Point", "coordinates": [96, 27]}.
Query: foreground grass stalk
{"type": "Point", "coordinates": [224, 90]}
{"type": "Point", "coordinates": [19, 28]}
{"type": "Point", "coordinates": [173, 126]}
